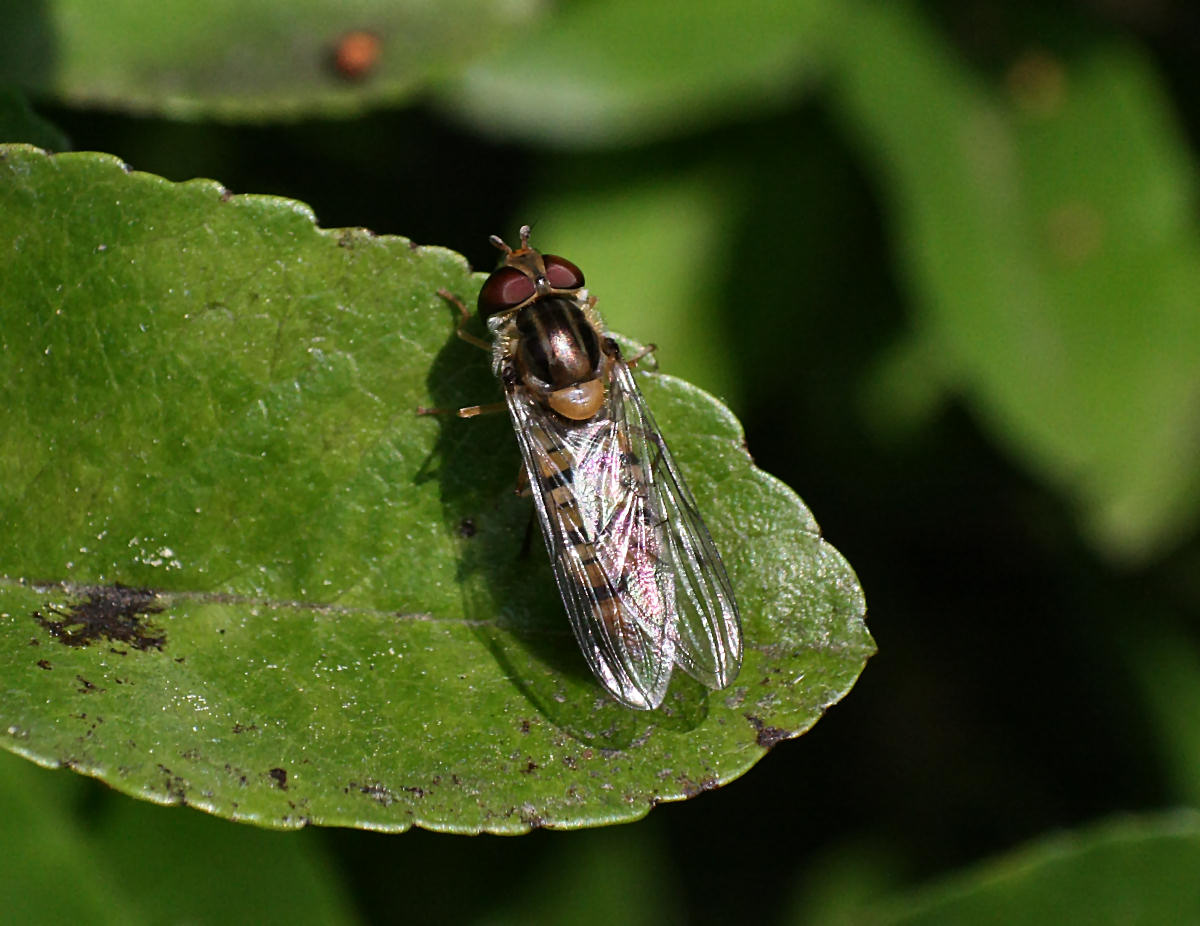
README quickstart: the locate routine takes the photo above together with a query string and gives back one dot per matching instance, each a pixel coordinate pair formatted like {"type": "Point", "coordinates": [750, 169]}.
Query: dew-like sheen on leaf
{"type": "Point", "coordinates": [241, 573]}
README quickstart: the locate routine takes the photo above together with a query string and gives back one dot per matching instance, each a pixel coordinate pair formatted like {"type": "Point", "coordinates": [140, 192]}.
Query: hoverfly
{"type": "Point", "coordinates": [642, 582]}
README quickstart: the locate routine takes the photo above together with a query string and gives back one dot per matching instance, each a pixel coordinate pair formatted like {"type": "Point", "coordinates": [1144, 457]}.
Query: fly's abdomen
{"type": "Point", "coordinates": [598, 583]}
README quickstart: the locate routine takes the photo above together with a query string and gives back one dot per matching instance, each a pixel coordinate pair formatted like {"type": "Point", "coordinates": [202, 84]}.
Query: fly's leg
{"type": "Point", "coordinates": [644, 352]}
{"type": "Point", "coordinates": [613, 349]}
{"type": "Point", "coordinates": [469, 411]}
{"type": "Point", "coordinates": [464, 316]}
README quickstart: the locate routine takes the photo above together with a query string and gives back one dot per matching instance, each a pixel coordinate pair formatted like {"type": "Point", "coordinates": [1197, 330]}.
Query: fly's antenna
{"type": "Point", "coordinates": [525, 230]}
{"type": "Point", "coordinates": [498, 242]}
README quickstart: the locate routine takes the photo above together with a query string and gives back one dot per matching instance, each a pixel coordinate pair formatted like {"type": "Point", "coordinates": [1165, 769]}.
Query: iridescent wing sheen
{"type": "Point", "coordinates": [604, 551]}
{"type": "Point", "coordinates": [642, 582]}
{"type": "Point", "coordinates": [706, 626]}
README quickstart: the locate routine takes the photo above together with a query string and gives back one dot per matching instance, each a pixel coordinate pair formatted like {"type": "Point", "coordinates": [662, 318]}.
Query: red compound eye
{"type": "Point", "coordinates": [561, 273]}
{"type": "Point", "coordinates": [504, 289]}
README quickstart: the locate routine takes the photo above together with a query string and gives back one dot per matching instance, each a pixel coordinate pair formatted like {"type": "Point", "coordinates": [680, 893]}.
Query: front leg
{"type": "Point", "coordinates": [464, 316]}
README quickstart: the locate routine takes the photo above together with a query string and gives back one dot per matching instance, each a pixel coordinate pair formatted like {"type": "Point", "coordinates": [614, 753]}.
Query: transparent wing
{"type": "Point", "coordinates": [605, 546]}
{"type": "Point", "coordinates": [706, 626]}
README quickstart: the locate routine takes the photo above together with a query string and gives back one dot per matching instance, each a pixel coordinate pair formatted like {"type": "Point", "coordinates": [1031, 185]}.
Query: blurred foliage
{"type": "Point", "coordinates": [1127, 872]}
{"type": "Point", "coordinates": [941, 257]}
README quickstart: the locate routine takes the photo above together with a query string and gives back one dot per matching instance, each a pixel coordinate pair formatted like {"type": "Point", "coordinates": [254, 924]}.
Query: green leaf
{"type": "Point", "coordinates": [1050, 240]}
{"type": "Point", "coordinates": [209, 397]}
{"type": "Point", "coordinates": [1124, 872]}
{"type": "Point", "coordinates": [246, 59]}
{"type": "Point", "coordinates": [617, 71]}
{"type": "Point", "coordinates": [126, 862]}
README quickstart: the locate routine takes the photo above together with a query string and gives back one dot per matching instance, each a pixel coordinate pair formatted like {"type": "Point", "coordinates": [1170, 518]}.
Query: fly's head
{"type": "Point", "coordinates": [526, 276]}
{"type": "Point", "coordinates": [557, 352]}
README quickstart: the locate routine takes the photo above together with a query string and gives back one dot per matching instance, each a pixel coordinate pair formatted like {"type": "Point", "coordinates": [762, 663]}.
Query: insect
{"type": "Point", "coordinates": [643, 585]}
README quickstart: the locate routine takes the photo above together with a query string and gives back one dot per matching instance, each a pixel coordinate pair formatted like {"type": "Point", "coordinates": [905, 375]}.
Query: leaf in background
{"type": "Point", "coordinates": [127, 862]}
{"type": "Point", "coordinates": [210, 397]}
{"type": "Point", "coordinates": [1126, 872]}
{"type": "Point", "coordinates": [1166, 669]}
{"type": "Point", "coordinates": [578, 883]}
{"type": "Point", "coordinates": [244, 59]}
{"type": "Point", "coordinates": [660, 244]}
{"type": "Point", "coordinates": [19, 123]}
{"type": "Point", "coordinates": [1051, 244]}
{"type": "Point", "coordinates": [623, 71]}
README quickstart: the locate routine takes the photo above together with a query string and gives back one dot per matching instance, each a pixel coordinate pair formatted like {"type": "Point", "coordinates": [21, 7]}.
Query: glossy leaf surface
{"type": "Point", "coordinates": [209, 398]}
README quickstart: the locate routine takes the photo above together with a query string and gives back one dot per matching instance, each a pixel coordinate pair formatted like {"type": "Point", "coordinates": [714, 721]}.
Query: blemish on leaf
{"type": "Point", "coordinates": [110, 612]}
{"type": "Point", "coordinates": [376, 791]}
{"type": "Point", "coordinates": [532, 818]}
{"type": "Point", "coordinates": [279, 776]}
{"type": "Point", "coordinates": [44, 664]}
{"type": "Point", "coordinates": [174, 786]}
{"type": "Point", "coordinates": [691, 788]}
{"type": "Point", "coordinates": [767, 736]}
{"type": "Point", "coordinates": [87, 687]}
{"type": "Point", "coordinates": [467, 528]}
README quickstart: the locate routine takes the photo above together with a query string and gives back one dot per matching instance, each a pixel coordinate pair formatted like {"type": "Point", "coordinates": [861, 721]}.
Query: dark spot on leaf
{"type": "Point", "coordinates": [175, 786]}
{"type": "Point", "coordinates": [524, 726]}
{"type": "Point", "coordinates": [532, 818]}
{"type": "Point", "coordinates": [88, 687]}
{"type": "Point", "coordinates": [34, 641]}
{"type": "Point", "coordinates": [44, 664]}
{"type": "Point", "coordinates": [692, 788]}
{"type": "Point", "coordinates": [110, 612]}
{"type": "Point", "coordinates": [529, 768]}
{"type": "Point", "coordinates": [767, 736]}
{"type": "Point", "coordinates": [376, 791]}
{"type": "Point", "coordinates": [467, 528]}
{"type": "Point", "coordinates": [569, 762]}
{"type": "Point", "coordinates": [241, 777]}
{"type": "Point", "coordinates": [238, 728]}
{"type": "Point", "coordinates": [279, 776]}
